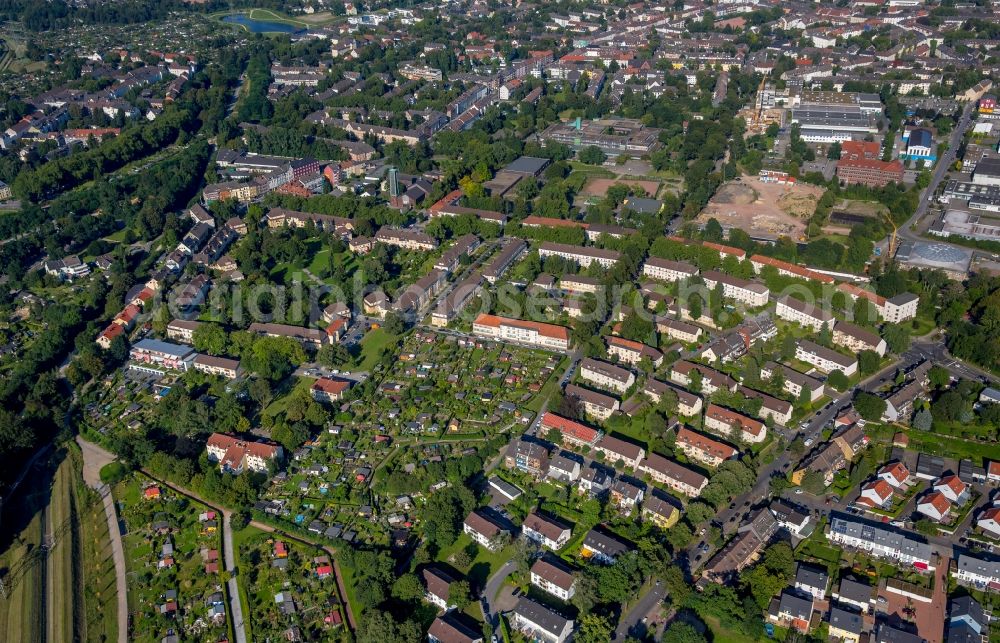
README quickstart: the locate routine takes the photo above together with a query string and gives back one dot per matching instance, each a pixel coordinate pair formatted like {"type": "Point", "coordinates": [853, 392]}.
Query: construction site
{"type": "Point", "coordinates": [765, 210]}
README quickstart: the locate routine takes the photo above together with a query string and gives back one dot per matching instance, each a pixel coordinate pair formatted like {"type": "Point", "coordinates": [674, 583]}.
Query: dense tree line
{"type": "Point", "coordinates": [133, 144]}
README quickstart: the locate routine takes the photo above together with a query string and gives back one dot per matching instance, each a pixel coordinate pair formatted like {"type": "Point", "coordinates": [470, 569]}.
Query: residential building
{"type": "Point", "coordinates": [603, 547]}
{"type": "Point", "coordinates": [857, 339]}
{"type": "Point", "coordinates": [563, 469]}
{"type": "Point", "coordinates": [546, 531]}
{"type": "Point", "coordinates": [182, 330]}
{"type": "Point", "coordinates": [778, 410]}
{"type": "Point", "coordinates": [152, 354]}
{"type": "Point", "coordinates": [605, 375]}
{"type": "Point", "coordinates": [527, 456]}
{"type": "Point", "coordinates": [437, 587]}
{"type": "Point", "coordinates": [856, 594]}
{"type": "Point", "coordinates": [876, 493]}
{"type": "Point", "coordinates": [880, 541]}
{"type": "Point", "coordinates": [894, 473]}
{"type": "Point", "coordinates": [675, 329]}
{"type": "Point", "coordinates": [454, 627]}
{"type": "Point", "coordinates": [799, 312]}
{"type": "Point", "coordinates": [620, 452]}
{"type": "Point", "coordinates": [632, 352]}
{"type": "Point", "coordinates": [570, 432]}
{"type": "Point", "coordinates": [845, 625]}
{"type": "Point", "coordinates": [732, 424]}
{"type": "Point", "coordinates": [483, 529]}
{"type": "Point", "coordinates": [405, 238]}
{"type": "Point", "coordinates": [660, 511]}
{"type": "Point", "coordinates": [673, 475]}
{"type": "Point", "coordinates": [989, 521]}
{"type": "Point", "coordinates": [825, 359]}
{"type": "Point", "coordinates": [794, 611]}
{"type": "Point", "coordinates": [312, 337]}
{"type": "Point", "coordinates": [330, 390]}
{"type": "Point", "coordinates": [935, 506]}
{"type": "Point", "coordinates": [235, 455]}
{"type": "Point", "coordinates": [688, 404]}
{"type": "Point", "coordinates": [744, 291]}
{"type": "Point", "coordinates": [584, 256]}
{"type": "Point", "coordinates": [498, 265]}
{"type": "Point", "coordinates": [789, 517]}
{"type": "Point", "coordinates": [794, 382]}
{"type": "Point", "coordinates": [594, 481]}
{"type": "Point", "coordinates": [743, 549]}
{"type": "Point", "coordinates": [811, 580]}
{"type": "Point", "coordinates": [221, 366]}
{"type": "Point", "coordinates": [539, 623]}
{"type": "Point", "coordinates": [952, 487]}
{"type": "Point", "coordinates": [666, 270]}
{"type": "Point", "coordinates": [703, 448]}
{"type": "Point", "coordinates": [547, 336]}
{"type": "Point", "coordinates": [554, 577]}
{"type": "Point", "coordinates": [712, 380]}
{"type": "Point", "coordinates": [594, 404]}
{"type": "Point", "coordinates": [626, 495]}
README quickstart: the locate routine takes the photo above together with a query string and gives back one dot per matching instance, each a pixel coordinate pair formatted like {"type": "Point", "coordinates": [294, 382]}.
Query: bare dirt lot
{"type": "Point", "coordinates": [599, 187]}
{"type": "Point", "coordinates": [763, 208]}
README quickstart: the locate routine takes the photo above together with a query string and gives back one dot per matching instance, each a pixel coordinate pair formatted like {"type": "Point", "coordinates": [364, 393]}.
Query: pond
{"type": "Point", "coordinates": [260, 26]}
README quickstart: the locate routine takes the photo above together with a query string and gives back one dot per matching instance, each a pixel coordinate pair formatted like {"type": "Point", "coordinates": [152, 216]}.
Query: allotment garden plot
{"type": "Point", "coordinates": [172, 551]}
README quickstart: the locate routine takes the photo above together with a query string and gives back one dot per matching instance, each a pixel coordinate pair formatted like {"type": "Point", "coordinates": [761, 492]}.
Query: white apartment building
{"type": "Point", "coordinates": [857, 339]}
{"type": "Point", "coordinates": [605, 375]}
{"type": "Point", "coordinates": [744, 291]}
{"type": "Point", "coordinates": [553, 577]}
{"type": "Point", "coordinates": [799, 312]}
{"type": "Point", "coordinates": [825, 359]}
{"type": "Point", "coordinates": [667, 270]}
{"type": "Point", "coordinates": [794, 381]}
{"type": "Point", "coordinates": [547, 336]}
{"type": "Point", "coordinates": [579, 254]}
{"type": "Point", "coordinates": [881, 542]}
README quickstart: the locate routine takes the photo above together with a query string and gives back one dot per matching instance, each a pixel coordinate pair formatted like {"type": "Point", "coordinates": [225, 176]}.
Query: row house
{"type": "Point", "coordinates": [450, 258]}
{"type": "Point", "coordinates": [457, 299]}
{"type": "Point", "coordinates": [312, 337]}
{"type": "Point", "coordinates": [812, 581]}
{"type": "Point", "coordinates": [632, 352]}
{"type": "Point", "coordinates": [579, 284]}
{"type": "Point", "coordinates": [594, 482]}
{"type": "Point", "coordinates": [979, 573]}
{"type": "Point", "coordinates": [673, 475]}
{"type": "Point", "coordinates": [703, 448]}
{"type": "Point", "coordinates": [504, 259]}
{"type": "Point", "coordinates": [220, 366]}
{"type": "Point", "coordinates": [733, 424]}
{"type": "Point", "coordinates": [605, 375]}
{"type": "Point", "coordinates": [881, 542]}
{"type": "Point", "coordinates": [825, 359]}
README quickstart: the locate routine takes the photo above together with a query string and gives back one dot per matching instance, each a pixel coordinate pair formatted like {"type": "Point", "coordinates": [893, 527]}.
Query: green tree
{"type": "Point", "coordinates": [210, 338]}
{"type": "Point", "coordinates": [460, 594]}
{"type": "Point", "coordinates": [897, 338]}
{"type": "Point", "coordinates": [870, 407]}
{"type": "Point", "coordinates": [592, 155]}
{"type": "Point", "coordinates": [594, 629]}
{"type": "Point", "coordinates": [838, 380]}
{"type": "Point", "coordinates": [868, 362]}
{"type": "Point", "coordinates": [939, 377]}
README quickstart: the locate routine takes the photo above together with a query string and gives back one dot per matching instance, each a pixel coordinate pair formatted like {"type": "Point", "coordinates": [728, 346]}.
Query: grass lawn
{"type": "Point", "coordinates": [373, 345]}
{"type": "Point", "coordinates": [99, 591]}
{"type": "Point", "coordinates": [723, 635]}
{"type": "Point", "coordinates": [551, 386]}
{"type": "Point", "coordinates": [483, 565]}
{"type": "Point", "coordinates": [279, 405]}
{"type": "Point", "coordinates": [950, 447]}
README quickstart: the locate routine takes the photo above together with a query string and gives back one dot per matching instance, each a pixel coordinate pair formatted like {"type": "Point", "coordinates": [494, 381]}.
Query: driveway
{"type": "Point", "coordinates": [633, 622]}
{"type": "Point", "coordinates": [487, 603]}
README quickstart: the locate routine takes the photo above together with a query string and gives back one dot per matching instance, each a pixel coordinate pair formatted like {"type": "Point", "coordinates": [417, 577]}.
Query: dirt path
{"type": "Point", "coordinates": [94, 457]}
